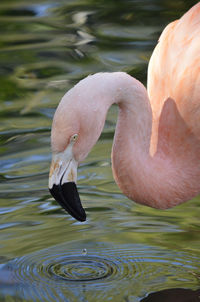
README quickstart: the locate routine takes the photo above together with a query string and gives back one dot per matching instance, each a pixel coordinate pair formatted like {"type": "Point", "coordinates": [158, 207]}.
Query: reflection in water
{"type": "Point", "coordinates": [46, 46]}
{"type": "Point", "coordinates": [174, 295]}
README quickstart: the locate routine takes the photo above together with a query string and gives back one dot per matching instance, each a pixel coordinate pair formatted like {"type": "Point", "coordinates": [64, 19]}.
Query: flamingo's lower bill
{"type": "Point", "coordinates": [67, 196]}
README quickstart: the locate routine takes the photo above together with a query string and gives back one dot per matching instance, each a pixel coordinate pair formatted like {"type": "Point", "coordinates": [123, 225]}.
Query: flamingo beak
{"type": "Point", "coordinates": [62, 184]}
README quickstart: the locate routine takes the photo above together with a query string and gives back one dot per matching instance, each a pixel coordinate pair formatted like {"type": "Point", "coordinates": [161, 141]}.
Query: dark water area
{"type": "Point", "coordinates": [124, 251]}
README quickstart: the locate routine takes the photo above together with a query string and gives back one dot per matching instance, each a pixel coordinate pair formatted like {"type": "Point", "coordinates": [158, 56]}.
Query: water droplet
{"type": "Point", "coordinates": [84, 252]}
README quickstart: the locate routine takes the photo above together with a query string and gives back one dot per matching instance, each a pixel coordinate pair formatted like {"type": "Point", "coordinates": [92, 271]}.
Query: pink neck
{"type": "Point", "coordinates": [161, 179]}
{"type": "Point", "coordinates": [135, 115]}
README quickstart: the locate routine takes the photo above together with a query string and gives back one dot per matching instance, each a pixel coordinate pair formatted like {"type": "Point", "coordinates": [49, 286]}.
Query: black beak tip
{"type": "Point", "coordinates": [81, 218]}
{"type": "Point", "coordinates": [67, 196]}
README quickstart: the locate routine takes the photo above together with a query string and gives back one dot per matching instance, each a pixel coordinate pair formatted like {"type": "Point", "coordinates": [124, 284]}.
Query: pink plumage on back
{"type": "Point", "coordinates": [174, 69]}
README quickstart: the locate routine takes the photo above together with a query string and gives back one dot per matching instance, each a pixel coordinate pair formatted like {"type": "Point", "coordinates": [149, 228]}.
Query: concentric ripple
{"type": "Point", "coordinates": [60, 268]}
{"type": "Point", "coordinates": [82, 269]}
{"type": "Point", "coordinates": [105, 270]}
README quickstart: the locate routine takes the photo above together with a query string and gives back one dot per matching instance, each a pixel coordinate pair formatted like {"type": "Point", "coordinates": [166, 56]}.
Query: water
{"type": "Point", "coordinates": [124, 251]}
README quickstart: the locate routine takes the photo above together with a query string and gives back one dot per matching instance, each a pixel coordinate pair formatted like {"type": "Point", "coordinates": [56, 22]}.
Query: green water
{"type": "Point", "coordinates": [130, 250]}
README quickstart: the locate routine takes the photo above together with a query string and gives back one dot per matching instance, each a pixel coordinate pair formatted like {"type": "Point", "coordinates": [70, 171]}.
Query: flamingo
{"type": "Point", "coordinates": [156, 148]}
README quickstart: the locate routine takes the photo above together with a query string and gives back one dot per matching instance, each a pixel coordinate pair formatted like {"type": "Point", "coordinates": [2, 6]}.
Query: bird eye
{"type": "Point", "coordinates": [74, 137]}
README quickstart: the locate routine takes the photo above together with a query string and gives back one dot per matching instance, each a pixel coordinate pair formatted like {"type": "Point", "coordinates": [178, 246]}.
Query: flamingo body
{"type": "Point", "coordinates": [156, 148]}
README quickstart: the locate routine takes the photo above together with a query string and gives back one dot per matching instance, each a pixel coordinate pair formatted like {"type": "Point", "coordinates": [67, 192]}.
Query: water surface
{"type": "Point", "coordinates": [131, 251]}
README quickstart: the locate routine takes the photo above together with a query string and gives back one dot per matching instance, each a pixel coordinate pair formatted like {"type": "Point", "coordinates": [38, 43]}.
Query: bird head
{"type": "Point", "coordinates": [76, 127]}
{"type": "Point", "coordinates": [67, 151]}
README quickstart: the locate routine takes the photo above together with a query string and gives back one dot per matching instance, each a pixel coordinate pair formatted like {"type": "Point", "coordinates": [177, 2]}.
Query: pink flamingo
{"type": "Point", "coordinates": [156, 148]}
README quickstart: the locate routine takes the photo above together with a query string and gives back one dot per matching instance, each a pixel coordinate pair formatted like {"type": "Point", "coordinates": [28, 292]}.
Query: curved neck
{"type": "Point", "coordinates": [102, 90]}
{"type": "Point", "coordinates": [150, 178]}
{"type": "Point", "coordinates": [154, 161]}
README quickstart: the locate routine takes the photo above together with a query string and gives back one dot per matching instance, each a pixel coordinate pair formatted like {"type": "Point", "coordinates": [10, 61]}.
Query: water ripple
{"type": "Point", "coordinates": [86, 269]}
{"type": "Point", "coordinates": [110, 270]}
{"type": "Point", "coordinates": [59, 268]}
